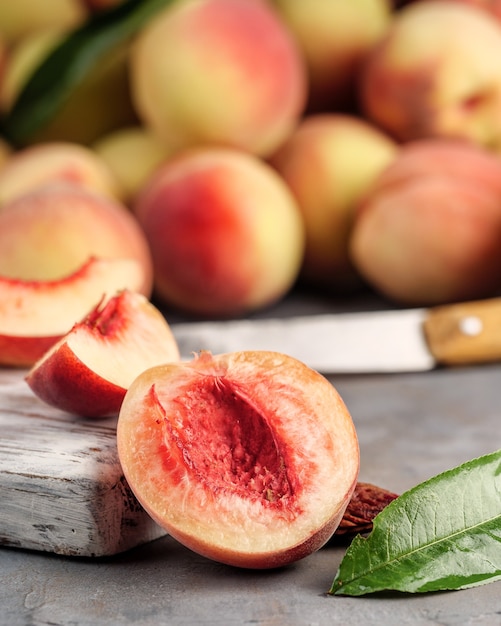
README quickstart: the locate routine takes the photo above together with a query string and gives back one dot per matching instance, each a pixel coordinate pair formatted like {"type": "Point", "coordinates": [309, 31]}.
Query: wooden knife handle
{"type": "Point", "coordinates": [464, 333]}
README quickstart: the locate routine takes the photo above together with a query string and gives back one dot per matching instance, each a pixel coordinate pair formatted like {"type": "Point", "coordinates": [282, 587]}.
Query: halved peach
{"type": "Point", "coordinates": [89, 370]}
{"type": "Point", "coordinates": [34, 314]}
{"type": "Point", "coordinates": [248, 458]}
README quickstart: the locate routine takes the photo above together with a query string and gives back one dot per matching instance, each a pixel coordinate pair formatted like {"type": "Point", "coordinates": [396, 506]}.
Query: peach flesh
{"type": "Point", "coordinates": [37, 307]}
{"type": "Point", "coordinates": [36, 314]}
{"type": "Point", "coordinates": [51, 231]}
{"type": "Point", "coordinates": [97, 401]}
{"type": "Point", "coordinates": [61, 381]}
{"type": "Point", "coordinates": [88, 371]}
{"type": "Point", "coordinates": [248, 458]}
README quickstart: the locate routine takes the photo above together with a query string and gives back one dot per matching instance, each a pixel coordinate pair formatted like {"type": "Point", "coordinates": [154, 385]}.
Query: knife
{"type": "Point", "coordinates": [364, 342]}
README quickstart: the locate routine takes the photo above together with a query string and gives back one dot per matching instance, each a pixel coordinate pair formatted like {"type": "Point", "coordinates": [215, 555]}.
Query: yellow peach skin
{"type": "Point", "coordinates": [429, 230]}
{"type": "Point", "coordinates": [98, 104]}
{"type": "Point", "coordinates": [334, 38]}
{"type": "Point", "coordinates": [24, 17]}
{"type": "Point", "coordinates": [51, 231]}
{"type": "Point", "coordinates": [491, 6]}
{"type": "Point", "coordinates": [329, 162]}
{"type": "Point", "coordinates": [55, 162]}
{"type": "Point", "coordinates": [24, 57]}
{"type": "Point", "coordinates": [436, 74]}
{"type": "Point", "coordinates": [223, 72]}
{"type": "Point", "coordinates": [132, 154]}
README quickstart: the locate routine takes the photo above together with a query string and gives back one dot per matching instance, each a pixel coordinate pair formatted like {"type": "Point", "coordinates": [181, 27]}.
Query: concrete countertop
{"type": "Point", "coordinates": [410, 428]}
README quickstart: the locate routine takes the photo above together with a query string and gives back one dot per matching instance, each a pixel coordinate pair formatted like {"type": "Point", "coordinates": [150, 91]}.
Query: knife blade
{"type": "Point", "coordinates": [403, 340]}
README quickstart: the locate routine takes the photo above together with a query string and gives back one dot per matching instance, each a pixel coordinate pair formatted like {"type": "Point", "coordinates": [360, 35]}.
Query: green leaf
{"type": "Point", "coordinates": [441, 535]}
{"type": "Point", "coordinates": [70, 62]}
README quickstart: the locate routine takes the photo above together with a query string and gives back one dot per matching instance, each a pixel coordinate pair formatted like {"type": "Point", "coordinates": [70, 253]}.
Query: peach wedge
{"type": "Point", "coordinates": [247, 458]}
{"type": "Point", "coordinates": [36, 314]}
{"type": "Point", "coordinates": [89, 370]}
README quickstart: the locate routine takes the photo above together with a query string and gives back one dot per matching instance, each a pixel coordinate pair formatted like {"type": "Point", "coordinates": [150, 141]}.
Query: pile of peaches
{"type": "Point", "coordinates": [241, 147]}
{"type": "Point", "coordinates": [234, 149]}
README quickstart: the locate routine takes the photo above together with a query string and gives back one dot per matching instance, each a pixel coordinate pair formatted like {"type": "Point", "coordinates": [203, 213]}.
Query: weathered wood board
{"type": "Point", "coordinates": [62, 488]}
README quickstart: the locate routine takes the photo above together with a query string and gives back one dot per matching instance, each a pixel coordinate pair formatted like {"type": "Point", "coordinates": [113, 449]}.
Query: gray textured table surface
{"type": "Point", "coordinates": [410, 427]}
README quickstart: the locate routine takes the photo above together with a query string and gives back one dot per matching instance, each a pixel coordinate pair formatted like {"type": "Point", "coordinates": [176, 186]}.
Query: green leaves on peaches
{"type": "Point", "coordinates": [68, 64]}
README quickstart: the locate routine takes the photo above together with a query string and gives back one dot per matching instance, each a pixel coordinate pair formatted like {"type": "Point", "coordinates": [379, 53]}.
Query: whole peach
{"type": "Point", "coordinates": [98, 104]}
{"type": "Point", "coordinates": [132, 155]}
{"type": "Point", "coordinates": [491, 6]}
{"type": "Point", "coordinates": [436, 74]}
{"type": "Point", "coordinates": [329, 162]}
{"type": "Point", "coordinates": [334, 38]}
{"type": "Point", "coordinates": [24, 57]}
{"type": "Point", "coordinates": [55, 162]}
{"type": "Point", "coordinates": [429, 230]}
{"type": "Point", "coordinates": [434, 157]}
{"type": "Point", "coordinates": [51, 231]}
{"type": "Point", "coordinates": [225, 72]}
{"type": "Point", "coordinates": [24, 17]}
{"type": "Point", "coordinates": [224, 230]}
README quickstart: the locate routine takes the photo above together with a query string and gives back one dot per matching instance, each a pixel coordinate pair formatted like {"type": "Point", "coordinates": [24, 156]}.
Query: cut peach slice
{"type": "Point", "coordinates": [89, 370]}
{"type": "Point", "coordinates": [248, 458]}
{"type": "Point", "coordinates": [36, 314]}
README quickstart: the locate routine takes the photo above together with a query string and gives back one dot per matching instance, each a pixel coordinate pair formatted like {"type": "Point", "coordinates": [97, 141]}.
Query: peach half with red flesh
{"type": "Point", "coordinates": [89, 370]}
{"type": "Point", "coordinates": [34, 314]}
{"type": "Point", "coordinates": [247, 458]}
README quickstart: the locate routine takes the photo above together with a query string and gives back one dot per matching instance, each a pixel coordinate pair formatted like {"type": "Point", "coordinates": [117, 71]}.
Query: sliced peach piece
{"type": "Point", "coordinates": [89, 370]}
{"type": "Point", "coordinates": [248, 458]}
{"type": "Point", "coordinates": [36, 314]}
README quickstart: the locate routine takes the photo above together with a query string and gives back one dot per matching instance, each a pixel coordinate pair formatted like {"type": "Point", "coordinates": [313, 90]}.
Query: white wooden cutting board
{"type": "Point", "coordinates": [62, 489]}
